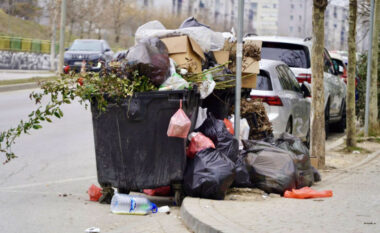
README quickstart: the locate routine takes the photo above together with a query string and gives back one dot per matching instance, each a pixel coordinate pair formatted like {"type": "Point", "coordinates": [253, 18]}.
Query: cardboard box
{"type": "Point", "coordinates": [221, 57]}
{"type": "Point", "coordinates": [185, 52]}
{"type": "Point", "coordinates": [248, 82]}
{"type": "Point", "coordinates": [314, 161]}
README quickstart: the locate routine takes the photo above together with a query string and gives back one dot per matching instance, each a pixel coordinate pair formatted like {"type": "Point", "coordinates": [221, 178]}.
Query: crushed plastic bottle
{"type": "Point", "coordinates": [129, 204]}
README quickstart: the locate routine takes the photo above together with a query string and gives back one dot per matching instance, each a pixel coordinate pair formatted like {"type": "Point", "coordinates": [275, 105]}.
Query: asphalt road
{"type": "Point", "coordinates": [44, 189]}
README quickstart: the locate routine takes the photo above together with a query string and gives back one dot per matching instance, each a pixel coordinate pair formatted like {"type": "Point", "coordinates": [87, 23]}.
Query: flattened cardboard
{"type": "Point", "coordinates": [250, 66]}
{"type": "Point", "coordinates": [248, 82]}
{"type": "Point", "coordinates": [221, 57]}
{"type": "Point", "coordinates": [185, 52]}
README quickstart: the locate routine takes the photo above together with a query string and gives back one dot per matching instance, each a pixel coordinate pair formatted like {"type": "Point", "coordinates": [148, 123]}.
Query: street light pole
{"type": "Point", "coordinates": [239, 58]}
{"type": "Point", "coordinates": [62, 36]}
{"type": "Point", "coordinates": [369, 70]}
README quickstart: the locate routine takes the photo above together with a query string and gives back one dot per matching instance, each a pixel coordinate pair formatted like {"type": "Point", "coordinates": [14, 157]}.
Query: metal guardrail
{"type": "Point", "coordinates": [18, 44]}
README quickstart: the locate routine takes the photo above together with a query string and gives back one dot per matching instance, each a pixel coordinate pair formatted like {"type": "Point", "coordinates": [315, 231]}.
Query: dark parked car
{"type": "Point", "coordinates": [91, 52]}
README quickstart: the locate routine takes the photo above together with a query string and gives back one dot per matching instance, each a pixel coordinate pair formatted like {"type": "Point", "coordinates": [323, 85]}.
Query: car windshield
{"type": "Point", "coordinates": [86, 45]}
{"type": "Point", "coordinates": [291, 54]}
{"type": "Point", "coordinates": [263, 82]}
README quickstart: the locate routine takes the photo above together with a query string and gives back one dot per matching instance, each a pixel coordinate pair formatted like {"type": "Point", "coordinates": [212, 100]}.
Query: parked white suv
{"type": "Point", "coordinates": [296, 53]}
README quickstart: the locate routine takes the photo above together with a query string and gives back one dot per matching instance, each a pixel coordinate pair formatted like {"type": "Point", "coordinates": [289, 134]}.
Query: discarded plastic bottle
{"type": "Point", "coordinates": [128, 204]}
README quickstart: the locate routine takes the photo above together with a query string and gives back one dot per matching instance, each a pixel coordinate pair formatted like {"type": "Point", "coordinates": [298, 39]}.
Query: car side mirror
{"type": "Point", "coordinates": [66, 49]}
{"type": "Point", "coordinates": [306, 89]}
{"type": "Point", "coordinates": [107, 50]}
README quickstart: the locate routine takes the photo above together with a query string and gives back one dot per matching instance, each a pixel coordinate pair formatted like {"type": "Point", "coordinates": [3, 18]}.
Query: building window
{"type": "Point", "coordinates": [335, 26]}
{"type": "Point", "coordinates": [291, 17]}
{"type": "Point", "coordinates": [291, 29]}
{"type": "Point", "coordinates": [299, 29]}
{"type": "Point", "coordinates": [274, 5]}
{"type": "Point", "coordinates": [292, 6]}
{"type": "Point", "coordinates": [335, 13]}
{"type": "Point", "coordinates": [300, 17]}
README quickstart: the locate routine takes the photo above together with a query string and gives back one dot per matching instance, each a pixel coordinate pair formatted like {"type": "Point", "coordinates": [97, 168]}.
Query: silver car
{"type": "Point", "coordinates": [296, 53]}
{"type": "Point", "coordinates": [286, 102]}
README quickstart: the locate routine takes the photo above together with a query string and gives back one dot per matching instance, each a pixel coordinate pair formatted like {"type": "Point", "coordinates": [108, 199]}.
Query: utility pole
{"type": "Point", "coordinates": [369, 70]}
{"type": "Point", "coordinates": [62, 36]}
{"type": "Point", "coordinates": [239, 58]}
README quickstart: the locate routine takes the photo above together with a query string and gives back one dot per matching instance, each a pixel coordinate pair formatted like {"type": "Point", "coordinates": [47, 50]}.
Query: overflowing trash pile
{"type": "Point", "coordinates": [193, 57]}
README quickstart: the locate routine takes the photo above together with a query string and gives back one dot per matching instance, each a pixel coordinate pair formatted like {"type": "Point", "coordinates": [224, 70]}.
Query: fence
{"type": "Point", "coordinates": [18, 44]}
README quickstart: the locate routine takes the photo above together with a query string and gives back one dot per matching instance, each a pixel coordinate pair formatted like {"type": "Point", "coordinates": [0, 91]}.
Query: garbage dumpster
{"type": "Point", "coordinates": [132, 148]}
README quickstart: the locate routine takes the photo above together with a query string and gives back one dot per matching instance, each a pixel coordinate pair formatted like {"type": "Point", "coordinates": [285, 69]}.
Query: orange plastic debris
{"type": "Point", "coordinates": [307, 192]}
{"type": "Point", "coordinates": [94, 192]}
{"type": "Point", "coordinates": [229, 126]}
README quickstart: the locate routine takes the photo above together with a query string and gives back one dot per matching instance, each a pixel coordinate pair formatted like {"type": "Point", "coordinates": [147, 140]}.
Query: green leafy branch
{"type": "Point", "coordinates": [113, 83]}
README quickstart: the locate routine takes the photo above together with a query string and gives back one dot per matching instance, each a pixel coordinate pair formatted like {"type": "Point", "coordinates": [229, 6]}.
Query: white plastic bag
{"type": "Point", "coordinates": [175, 82]}
{"type": "Point", "coordinates": [244, 130]}
{"type": "Point", "coordinates": [207, 86]}
{"type": "Point", "coordinates": [202, 115]}
{"type": "Point", "coordinates": [207, 39]}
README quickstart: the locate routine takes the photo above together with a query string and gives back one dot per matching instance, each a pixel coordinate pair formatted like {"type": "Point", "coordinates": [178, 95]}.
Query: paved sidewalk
{"type": "Point", "coordinates": [355, 207]}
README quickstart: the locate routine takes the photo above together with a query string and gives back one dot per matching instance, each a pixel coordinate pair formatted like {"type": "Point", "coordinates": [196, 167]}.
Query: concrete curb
{"type": "Point", "coordinates": [16, 87]}
{"type": "Point", "coordinates": [196, 211]}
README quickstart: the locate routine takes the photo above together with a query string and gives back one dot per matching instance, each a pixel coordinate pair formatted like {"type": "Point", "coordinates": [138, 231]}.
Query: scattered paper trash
{"type": "Point", "coordinates": [94, 192]}
{"type": "Point", "coordinates": [356, 152]}
{"type": "Point", "coordinates": [92, 230]}
{"type": "Point", "coordinates": [164, 209]}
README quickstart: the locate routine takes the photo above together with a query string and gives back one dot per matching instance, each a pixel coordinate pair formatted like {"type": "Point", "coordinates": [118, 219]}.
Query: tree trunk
{"type": "Point", "coordinates": [350, 101]}
{"type": "Point", "coordinates": [373, 109]}
{"type": "Point", "coordinates": [318, 134]}
{"type": "Point", "coordinates": [89, 29]}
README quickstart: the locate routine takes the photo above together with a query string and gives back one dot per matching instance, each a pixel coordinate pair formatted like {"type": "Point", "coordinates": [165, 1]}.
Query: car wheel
{"type": "Point", "coordinates": [340, 126]}
{"type": "Point", "coordinates": [289, 126]}
{"type": "Point", "coordinates": [327, 117]}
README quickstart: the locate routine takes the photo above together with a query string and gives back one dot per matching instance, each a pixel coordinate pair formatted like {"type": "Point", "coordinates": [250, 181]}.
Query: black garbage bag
{"type": "Point", "coordinates": [272, 169]}
{"type": "Point", "coordinates": [224, 141]}
{"type": "Point", "coordinates": [192, 22]}
{"type": "Point", "coordinates": [242, 177]}
{"type": "Point", "coordinates": [317, 175]}
{"type": "Point", "coordinates": [209, 174]}
{"type": "Point", "coordinates": [300, 155]}
{"type": "Point", "coordinates": [150, 57]}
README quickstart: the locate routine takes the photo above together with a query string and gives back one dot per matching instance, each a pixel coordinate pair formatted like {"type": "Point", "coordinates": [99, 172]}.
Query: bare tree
{"type": "Point", "coordinates": [373, 107]}
{"type": "Point", "coordinates": [318, 134]}
{"type": "Point", "coordinates": [350, 101]}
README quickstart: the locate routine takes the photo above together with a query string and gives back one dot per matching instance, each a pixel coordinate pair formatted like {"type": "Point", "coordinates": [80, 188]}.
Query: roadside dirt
{"type": "Point", "coordinates": [338, 158]}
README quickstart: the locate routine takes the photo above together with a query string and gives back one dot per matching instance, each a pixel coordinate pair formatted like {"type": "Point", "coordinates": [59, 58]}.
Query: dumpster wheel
{"type": "Point", "coordinates": [178, 193]}
{"type": "Point", "coordinates": [107, 194]}
{"type": "Point", "coordinates": [178, 197]}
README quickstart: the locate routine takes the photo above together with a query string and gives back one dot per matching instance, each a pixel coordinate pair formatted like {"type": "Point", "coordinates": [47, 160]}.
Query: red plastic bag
{"type": "Point", "coordinates": [198, 142]}
{"type": "Point", "coordinates": [179, 125]}
{"type": "Point", "coordinates": [161, 191]}
{"type": "Point", "coordinates": [229, 126]}
{"type": "Point", "coordinates": [307, 192]}
{"type": "Point", "coordinates": [94, 192]}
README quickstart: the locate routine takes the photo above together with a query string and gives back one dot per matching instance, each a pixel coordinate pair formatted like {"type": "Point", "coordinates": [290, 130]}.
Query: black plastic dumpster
{"type": "Point", "coordinates": [132, 148]}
